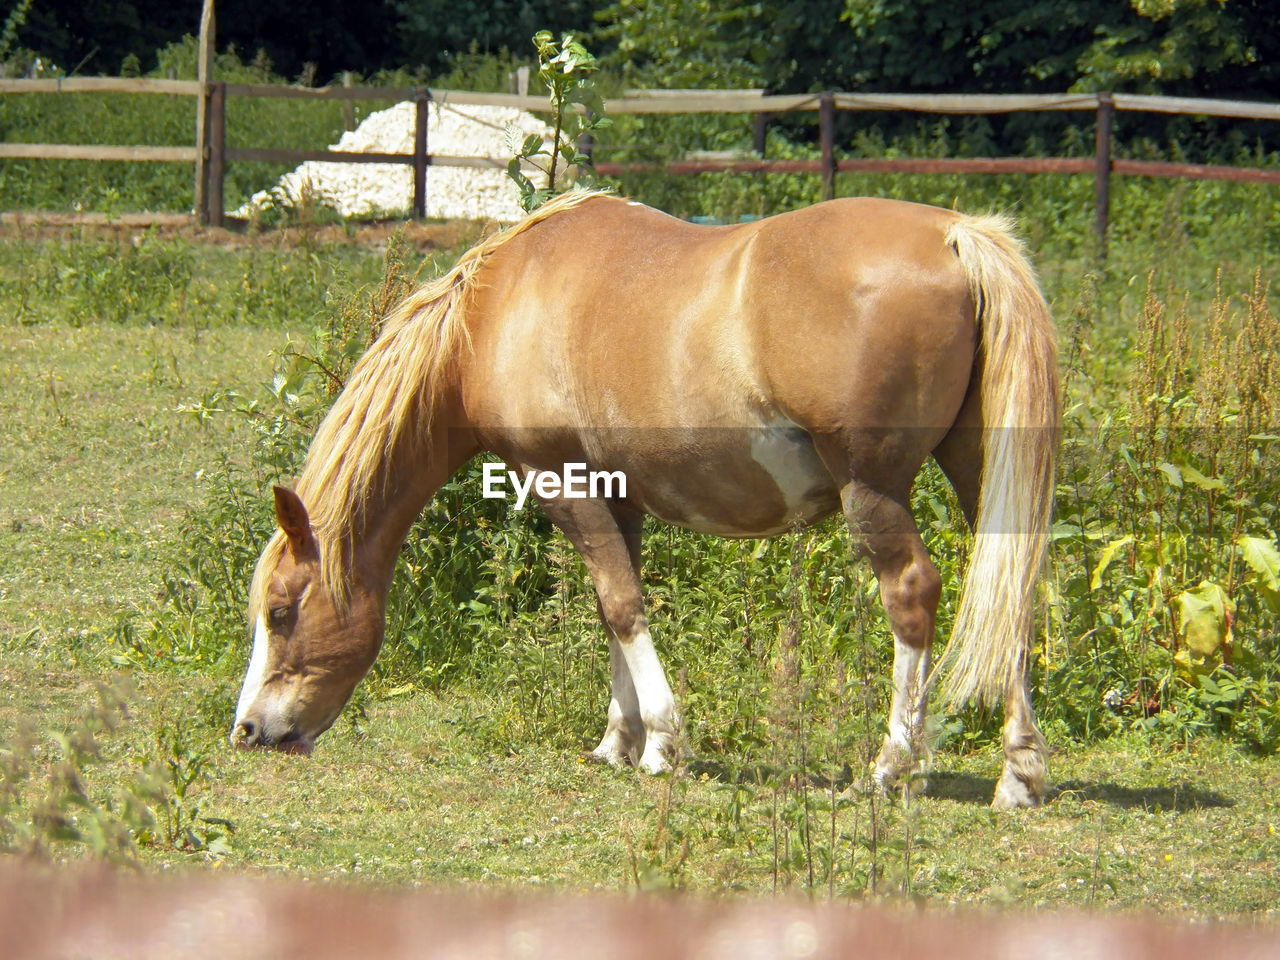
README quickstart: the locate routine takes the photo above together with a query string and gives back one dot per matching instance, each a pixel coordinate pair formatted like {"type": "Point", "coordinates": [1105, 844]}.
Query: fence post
{"type": "Point", "coordinates": [518, 82]}
{"type": "Point", "coordinates": [348, 106]}
{"type": "Point", "coordinates": [217, 152]}
{"type": "Point", "coordinates": [204, 73]}
{"type": "Point", "coordinates": [760, 128]}
{"type": "Point", "coordinates": [200, 198]}
{"type": "Point", "coordinates": [422, 103]}
{"type": "Point", "coordinates": [1102, 169]}
{"type": "Point", "coordinates": [827, 138]}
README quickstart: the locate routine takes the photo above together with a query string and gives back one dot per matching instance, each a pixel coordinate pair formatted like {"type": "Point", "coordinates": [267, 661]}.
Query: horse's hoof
{"type": "Point", "coordinates": [893, 783]}
{"type": "Point", "coordinates": [612, 757]}
{"type": "Point", "coordinates": [655, 763]}
{"type": "Point", "coordinates": [1013, 794]}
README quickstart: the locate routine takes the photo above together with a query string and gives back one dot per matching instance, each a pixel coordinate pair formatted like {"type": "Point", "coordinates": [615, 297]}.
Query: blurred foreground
{"type": "Point", "coordinates": [104, 915]}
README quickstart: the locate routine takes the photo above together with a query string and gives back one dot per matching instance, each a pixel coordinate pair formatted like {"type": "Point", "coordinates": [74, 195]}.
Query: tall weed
{"type": "Point", "coordinates": [52, 807]}
{"type": "Point", "coordinates": [149, 279]}
{"type": "Point", "coordinates": [145, 280]}
{"type": "Point", "coordinates": [1163, 595]}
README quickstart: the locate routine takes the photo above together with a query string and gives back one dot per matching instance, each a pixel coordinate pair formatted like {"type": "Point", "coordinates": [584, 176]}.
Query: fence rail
{"type": "Point", "coordinates": [211, 153]}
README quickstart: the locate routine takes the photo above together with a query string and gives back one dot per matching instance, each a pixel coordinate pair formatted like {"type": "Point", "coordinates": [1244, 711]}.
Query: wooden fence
{"type": "Point", "coordinates": [211, 154]}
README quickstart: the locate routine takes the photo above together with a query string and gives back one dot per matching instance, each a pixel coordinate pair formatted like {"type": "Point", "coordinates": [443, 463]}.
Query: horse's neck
{"type": "Point", "coordinates": [415, 473]}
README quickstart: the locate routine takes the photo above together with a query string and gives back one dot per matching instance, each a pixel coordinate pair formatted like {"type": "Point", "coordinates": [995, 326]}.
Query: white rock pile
{"type": "Point", "coordinates": [470, 193]}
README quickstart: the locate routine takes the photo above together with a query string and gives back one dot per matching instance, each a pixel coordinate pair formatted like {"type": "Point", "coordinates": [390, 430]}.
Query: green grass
{"type": "Point", "coordinates": [100, 465]}
{"type": "Point", "coordinates": [410, 797]}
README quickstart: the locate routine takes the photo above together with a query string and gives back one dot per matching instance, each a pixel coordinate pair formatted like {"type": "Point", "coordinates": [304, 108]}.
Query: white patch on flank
{"type": "Point", "coordinates": [257, 672]}
{"type": "Point", "coordinates": [790, 461]}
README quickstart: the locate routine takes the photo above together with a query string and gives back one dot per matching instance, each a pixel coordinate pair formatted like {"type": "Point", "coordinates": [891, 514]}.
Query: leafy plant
{"type": "Point", "coordinates": [170, 784]}
{"type": "Point", "coordinates": [44, 801]}
{"type": "Point", "coordinates": [12, 24]}
{"type": "Point", "coordinates": [564, 71]}
{"type": "Point", "coordinates": [47, 802]}
{"type": "Point", "coordinates": [1168, 528]}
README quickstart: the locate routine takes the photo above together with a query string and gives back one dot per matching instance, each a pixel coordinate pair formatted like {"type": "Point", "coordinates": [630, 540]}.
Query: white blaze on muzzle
{"type": "Point", "coordinates": [255, 676]}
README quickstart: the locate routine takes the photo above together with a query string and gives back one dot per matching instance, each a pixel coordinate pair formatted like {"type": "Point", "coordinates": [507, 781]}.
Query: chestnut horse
{"type": "Point", "coordinates": [745, 380]}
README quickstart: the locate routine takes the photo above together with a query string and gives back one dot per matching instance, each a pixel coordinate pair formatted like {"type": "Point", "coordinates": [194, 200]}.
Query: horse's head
{"type": "Point", "coordinates": [309, 652]}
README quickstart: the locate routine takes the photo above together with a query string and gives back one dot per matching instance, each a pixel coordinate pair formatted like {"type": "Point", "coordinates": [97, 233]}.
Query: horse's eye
{"type": "Point", "coordinates": [278, 616]}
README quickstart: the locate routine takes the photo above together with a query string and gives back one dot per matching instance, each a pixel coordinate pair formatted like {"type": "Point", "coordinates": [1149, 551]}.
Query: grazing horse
{"type": "Point", "coordinates": [744, 380]}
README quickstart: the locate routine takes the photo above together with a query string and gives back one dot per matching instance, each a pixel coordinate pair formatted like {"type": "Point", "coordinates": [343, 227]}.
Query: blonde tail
{"type": "Point", "coordinates": [1020, 416]}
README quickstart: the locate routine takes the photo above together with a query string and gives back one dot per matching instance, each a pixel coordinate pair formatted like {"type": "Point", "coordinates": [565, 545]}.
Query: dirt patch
{"type": "Point", "coordinates": [424, 235]}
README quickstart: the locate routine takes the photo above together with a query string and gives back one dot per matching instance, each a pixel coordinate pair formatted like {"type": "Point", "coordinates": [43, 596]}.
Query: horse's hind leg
{"type": "Point", "coordinates": [1022, 783]}
{"type": "Point", "coordinates": [624, 736]}
{"type": "Point", "coordinates": [642, 725]}
{"type": "Point", "coordinates": [1022, 780]}
{"type": "Point", "coordinates": [885, 532]}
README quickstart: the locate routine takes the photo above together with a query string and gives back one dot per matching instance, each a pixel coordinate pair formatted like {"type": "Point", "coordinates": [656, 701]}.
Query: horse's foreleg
{"type": "Point", "coordinates": [904, 745]}
{"type": "Point", "coordinates": [624, 736]}
{"type": "Point", "coordinates": [661, 726]}
{"type": "Point", "coordinates": [909, 590]}
{"type": "Point", "coordinates": [643, 725]}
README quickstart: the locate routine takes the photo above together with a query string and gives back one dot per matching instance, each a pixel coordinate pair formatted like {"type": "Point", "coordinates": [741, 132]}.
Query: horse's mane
{"type": "Point", "coordinates": [394, 387]}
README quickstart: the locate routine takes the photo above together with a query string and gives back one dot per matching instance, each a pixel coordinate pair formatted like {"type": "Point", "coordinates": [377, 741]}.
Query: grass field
{"type": "Point", "coordinates": [410, 798]}
{"type": "Point", "coordinates": [101, 465]}
{"type": "Point", "coordinates": [438, 779]}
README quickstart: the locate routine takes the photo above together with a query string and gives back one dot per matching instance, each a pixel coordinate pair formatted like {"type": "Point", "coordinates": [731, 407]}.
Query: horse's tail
{"type": "Point", "coordinates": [1020, 417]}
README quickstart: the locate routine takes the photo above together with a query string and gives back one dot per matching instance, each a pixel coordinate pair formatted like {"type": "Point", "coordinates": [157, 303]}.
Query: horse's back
{"type": "Point", "coordinates": [853, 286]}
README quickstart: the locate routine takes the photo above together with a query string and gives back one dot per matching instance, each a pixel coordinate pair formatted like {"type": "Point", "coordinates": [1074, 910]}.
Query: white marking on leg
{"type": "Point", "coordinates": [907, 712]}
{"type": "Point", "coordinates": [1022, 782]}
{"type": "Point", "coordinates": [624, 735]}
{"type": "Point", "coordinates": [657, 704]}
{"type": "Point", "coordinates": [910, 671]}
{"type": "Point", "coordinates": [256, 674]}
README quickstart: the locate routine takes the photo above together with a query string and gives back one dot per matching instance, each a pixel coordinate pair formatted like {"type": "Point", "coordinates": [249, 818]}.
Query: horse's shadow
{"type": "Point", "coordinates": [1179, 797]}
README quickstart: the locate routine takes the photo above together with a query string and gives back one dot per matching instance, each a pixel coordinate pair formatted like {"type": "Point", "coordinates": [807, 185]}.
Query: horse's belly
{"type": "Point", "coordinates": [739, 482]}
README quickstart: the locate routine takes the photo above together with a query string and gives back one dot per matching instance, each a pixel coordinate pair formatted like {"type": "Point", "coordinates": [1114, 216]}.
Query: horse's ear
{"type": "Point", "coordinates": [293, 520]}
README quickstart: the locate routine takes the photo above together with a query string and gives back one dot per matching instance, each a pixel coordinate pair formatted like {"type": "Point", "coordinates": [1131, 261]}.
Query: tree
{"type": "Point", "coordinates": [1147, 46]}
{"type": "Point", "coordinates": [1192, 47]}
{"type": "Point", "coordinates": [689, 43]}
{"type": "Point", "coordinates": [431, 33]}
{"type": "Point", "coordinates": [94, 36]}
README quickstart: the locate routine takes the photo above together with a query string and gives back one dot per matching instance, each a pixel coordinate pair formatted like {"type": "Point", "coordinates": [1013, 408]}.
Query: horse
{"type": "Point", "coordinates": [745, 380]}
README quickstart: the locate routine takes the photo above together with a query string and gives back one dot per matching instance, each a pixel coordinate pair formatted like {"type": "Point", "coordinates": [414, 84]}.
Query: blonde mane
{"type": "Point", "coordinates": [394, 388]}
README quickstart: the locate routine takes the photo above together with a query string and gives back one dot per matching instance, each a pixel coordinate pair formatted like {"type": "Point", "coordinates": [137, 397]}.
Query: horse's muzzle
{"type": "Point", "coordinates": [248, 734]}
